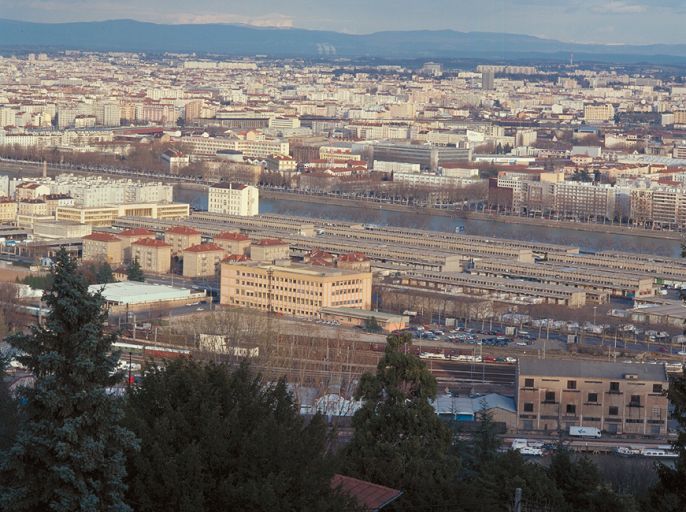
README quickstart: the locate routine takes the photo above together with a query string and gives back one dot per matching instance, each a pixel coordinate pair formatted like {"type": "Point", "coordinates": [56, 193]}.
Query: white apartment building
{"type": "Point", "coordinates": [233, 199]}
{"type": "Point", "coordinates": [432, 180]}
{"type": "Point", "coordinates": [584, 200]}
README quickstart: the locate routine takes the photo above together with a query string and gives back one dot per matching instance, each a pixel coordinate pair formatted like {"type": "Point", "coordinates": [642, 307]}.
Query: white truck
{"type": "Point", "coordinates": [584, 432]}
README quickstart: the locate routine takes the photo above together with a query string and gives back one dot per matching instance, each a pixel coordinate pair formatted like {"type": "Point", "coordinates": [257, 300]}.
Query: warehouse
{"type": "Point", "coordinates": [133, 294]}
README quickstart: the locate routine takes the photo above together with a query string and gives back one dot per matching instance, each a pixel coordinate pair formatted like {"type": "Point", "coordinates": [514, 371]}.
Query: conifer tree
{"type": "Point", "coordinates": [399, 441]}
{"type": "Point", "coordinates": [69, 453]}
{"type": "Point", "coordinates": [134, 271]}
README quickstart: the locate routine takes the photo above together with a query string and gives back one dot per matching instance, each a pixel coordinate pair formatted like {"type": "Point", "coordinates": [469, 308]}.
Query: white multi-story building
{"type": "Point", "coordinates": [233, 199]}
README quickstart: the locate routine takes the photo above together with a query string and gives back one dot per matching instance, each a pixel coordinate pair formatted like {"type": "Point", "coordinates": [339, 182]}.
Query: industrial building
{"type": "Point", "coordinates": [617, 398]}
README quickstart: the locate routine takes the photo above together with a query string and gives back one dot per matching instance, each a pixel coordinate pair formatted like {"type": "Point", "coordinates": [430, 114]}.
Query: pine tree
{"type": "Point", "coordinates": [103, 273]}
{"type": "Point", "coordinates": [134, 271]}
{"type": "Point", "coordinates": [69, 452]}
{"type": "Point", "coordinates": [399, 441]}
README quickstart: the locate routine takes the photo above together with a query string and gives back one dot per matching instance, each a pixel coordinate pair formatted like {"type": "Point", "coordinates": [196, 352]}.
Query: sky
{"type": "Point", "coordinates": [583, 21]}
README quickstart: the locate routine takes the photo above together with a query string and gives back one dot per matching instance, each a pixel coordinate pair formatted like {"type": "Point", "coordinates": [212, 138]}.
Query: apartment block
{"type": "Point", "coordinates": [153, 255]}
{"type": "Point", "coordinates": [233, 199]}
{"type": "Point", "coordinates": [180, 238]}
{"type": "Point", "coordinates": [599, 113]}
{"type": "Point", "coordinates": [269, 250]}
{"type": "Point", "coordinates": [129, 236]}
{"type": "Point", "coordinates": [102, 246]}
{"type": "Point", "coordinates": [202, 260]}
{"type": "Point", "coordinates": [617, 398]}
{"type": "Point", "coordinates": [233, 243]}
{"type": "Point", "coordinates": [8, 210]}
{"type": "Point", "coordinates": [295, 289]}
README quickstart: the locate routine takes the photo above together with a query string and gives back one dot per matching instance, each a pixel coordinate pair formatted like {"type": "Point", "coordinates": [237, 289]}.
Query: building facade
{"type": "Point", "coordinates": [295, 289]}
{"type": "Point", "coordinates": [617, 398]}
{"type": "Point", "coordinates": [233, 199]}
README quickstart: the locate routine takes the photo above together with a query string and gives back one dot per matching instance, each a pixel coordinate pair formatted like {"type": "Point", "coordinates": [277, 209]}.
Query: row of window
{"type": "Point", "coordinates": [571, 385]}
{"type": "Point", "coordinates": [612, 410]}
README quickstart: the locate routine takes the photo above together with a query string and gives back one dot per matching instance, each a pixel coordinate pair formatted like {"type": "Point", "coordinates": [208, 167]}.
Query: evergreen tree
{"type": "Point", "coordinates": [399, 441]}
{"type": "Point", "coordinates": [582, 486]}
{"type": "Point", "coordinates": [372, 325]}
{"type": "Point", "coordinates": [9, 415]}
{"type": "Point", "coordinates": [69, 452]}
{"type": "Point", "coordinates": [214, 439]}
{"type": "Point", "coordinates": [103, 273]}
{"type": "Point", "coordinates": [670, 493]}
{"type": "Point", "coordinates": [134, 271]}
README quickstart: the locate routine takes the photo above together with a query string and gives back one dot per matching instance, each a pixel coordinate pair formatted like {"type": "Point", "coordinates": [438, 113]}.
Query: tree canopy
{"type": "Point", "coordinates": [214, 439]}
{"type": "Point", "coordinates": [70, 450]}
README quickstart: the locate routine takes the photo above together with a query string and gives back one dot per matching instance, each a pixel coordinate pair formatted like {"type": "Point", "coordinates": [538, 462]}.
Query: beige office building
{"type": "Point", "coordinates": [180, 238]}
{"type": "Point", "coordinates": [617, 398]}
{"type": "Point", "coordinates": [295, 289]}
{"type": "Point", "coordinates": [233, 243]}
{"type": "Point", "coordinates": [102, 246]}
{"type": "Point", "coordinates": [152, 255]}
{"type": "Point", "coordinates": [202, 260]}
{"type": "Point", "coordinates": [104, 216]}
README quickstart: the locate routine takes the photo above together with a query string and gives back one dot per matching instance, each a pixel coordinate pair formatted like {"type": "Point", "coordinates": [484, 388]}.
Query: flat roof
{"type": "Point", "coordinates": [302, 268]}
{"type": "Point", "coordinates": [591, 369]}
{"type": "Point", "coordinates": [134, 292]}
{"type": "Point", "coordinates": [363, 313]}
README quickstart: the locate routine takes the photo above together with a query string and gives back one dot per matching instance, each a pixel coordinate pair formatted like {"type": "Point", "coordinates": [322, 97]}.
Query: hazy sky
{"type": "Point", "coordinates": [606, 21]}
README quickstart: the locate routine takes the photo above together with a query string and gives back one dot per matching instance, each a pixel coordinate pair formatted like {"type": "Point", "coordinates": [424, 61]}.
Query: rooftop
{"type": "Point", "coordinates": [270, 241]}
{"type": "Point", "coordinates": [182, 230]}
{"type": "Point", "coordinates": [370, 496]}
{"type": "Point", "coordinates": [151, 242]}
{"type": "Point", "coordinates": [231, 236]}
{"type": "Point", "coordinates": [591, 369]}
{"type": "Point", "coordinates": [204, 248]}
{"type": "Point", "coordinates": [136, 232]}
{"type": "Point", "coordinates": [102, 237]}
{"type": "Point", "coordinates": [133, 292]}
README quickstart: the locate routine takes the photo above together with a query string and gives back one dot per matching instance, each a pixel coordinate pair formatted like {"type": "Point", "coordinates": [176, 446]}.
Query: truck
{"type": "Point", "coordinates": [585, 432]}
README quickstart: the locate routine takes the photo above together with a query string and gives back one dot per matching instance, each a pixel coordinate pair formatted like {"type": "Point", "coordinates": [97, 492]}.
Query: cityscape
{"type": "Point", "coordinates": [295, 266]}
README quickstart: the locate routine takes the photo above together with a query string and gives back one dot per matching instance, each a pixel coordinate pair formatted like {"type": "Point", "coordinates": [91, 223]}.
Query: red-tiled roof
{"type": "Point", "coordinates": [102, 237]}
{"type": "Point", "coordinates": [151, 242]}
{"type": "Point", "coordinates": [270, 241]}
{"type": "Point", "coordinates": [137, 232]}
{"type": "Point", "coordinates": [235, 258]}
{"type": "Point", "coordinates": [370, 496]}
{"type": "Point", "coordinates": [239, 237]}
{"type": "Point", "coordinates": [203, 248]}
{"type": "Point", "coordinates": [182, 230]}
{"type": "Point", "coordinates": [353, 256]}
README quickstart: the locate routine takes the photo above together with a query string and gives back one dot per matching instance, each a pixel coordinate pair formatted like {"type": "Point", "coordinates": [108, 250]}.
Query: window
{"type": "Point", "coordinates": [635, 401]}
{"type": "Point", "coordinates": [528, 383]}
{"type": "Point", "coordinates": [528, 407]}
{"type": "Point", "coordinates": [614, 387]}
{"type": "Point", "coordinates": [571, 384]}
{"type": "Point", "coordinates": [550, 396]}
{"type": "Point", "coordinates": [571, 409]}
{"type": "Point", "coordinates": [657, 388]}
{"type": "Point", "coordinates": [613, 411]}
{"type": "Point", "coordinates": [593, 397]}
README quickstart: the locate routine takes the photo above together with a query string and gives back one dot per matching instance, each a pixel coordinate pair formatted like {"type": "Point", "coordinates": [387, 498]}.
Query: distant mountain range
{"type": "Point", "coordinates": [243, 40]}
